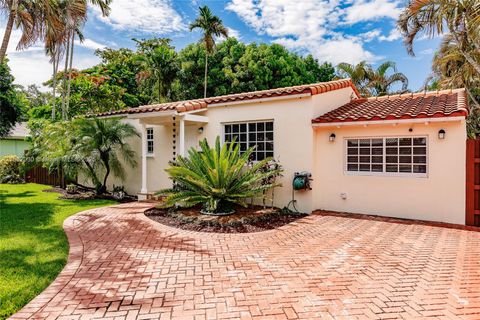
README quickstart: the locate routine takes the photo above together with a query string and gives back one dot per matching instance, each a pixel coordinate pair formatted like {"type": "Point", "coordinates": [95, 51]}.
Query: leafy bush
{"type": "Point", "coordinates": [71, 189]}
{"type": "Point", "coordinates": [11, 169]}
{"type": "Point", "coordinates": [218, 178]}
{"type": "Point", "coordinates": [119, 192]}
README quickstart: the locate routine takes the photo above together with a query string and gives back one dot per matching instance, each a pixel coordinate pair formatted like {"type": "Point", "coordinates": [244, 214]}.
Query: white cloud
{"type": "Point", "coordinates": [311, 25]}
{"type": "Point", "coordinates": [153, 16]}
{"type": "Point", "coordinates": [368, 10]}
{"type": "Point", "coordinates": [90, 44]}
{"type": "Point", "coordinates": [427, 51]}
{"type": "Point", "coordinates": [370, 35]}
{"type": "Point", "coordinates": [32, 66]}
{"type": "Point", "coordinates": [234, 33]}
{"type": "Point", "coordinates": [334, 50]}
{"type": "Point", "coordinates": [394, 35]}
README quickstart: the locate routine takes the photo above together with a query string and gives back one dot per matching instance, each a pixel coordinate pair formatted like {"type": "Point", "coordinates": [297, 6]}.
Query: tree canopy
{"type": "Point", "coordinates": [10, 101]}
{"type": "Point", "coordinates": [156, 72]}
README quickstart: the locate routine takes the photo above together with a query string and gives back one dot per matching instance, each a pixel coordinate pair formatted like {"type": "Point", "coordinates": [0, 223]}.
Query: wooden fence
{"type": "Point", "coordinates": [472, 215]}
{"type": "Point", "coordinates": [41, 175]}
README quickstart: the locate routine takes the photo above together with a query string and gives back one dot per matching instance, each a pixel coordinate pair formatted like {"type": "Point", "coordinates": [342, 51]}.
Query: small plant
{"type": "Point", "coordinates": [218, 178]}
{"type": "Point", "coordinates": [71, 189]}
{"type": "Point", "coordinates": [10, 169]}
{"type": "Point", "coordinates": [119, 193]}
{"type": "Point", "coordinates": [276, 170]}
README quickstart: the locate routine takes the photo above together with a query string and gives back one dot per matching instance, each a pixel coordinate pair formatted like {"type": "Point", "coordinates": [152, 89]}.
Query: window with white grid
{"type": "Point", "coordinates": [258, 134]}
{"type": "Point", "coordinates": [150, 141]}
{"type": "Point", "coordinates": [396, 156]}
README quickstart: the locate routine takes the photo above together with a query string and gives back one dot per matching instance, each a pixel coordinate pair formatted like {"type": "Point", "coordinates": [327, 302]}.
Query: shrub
{"type": "Point", "coordinates": [218, 178]}
{"type": "Point", "coordinates": [71, 189]}
{"type": "Point", "coordinates": [11, 169]}
{"type": "Point", "coordinates": [119, 192]}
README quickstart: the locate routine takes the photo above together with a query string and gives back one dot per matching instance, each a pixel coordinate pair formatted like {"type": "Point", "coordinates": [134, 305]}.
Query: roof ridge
{"type": "Point", "coordinates": [201, 103]}
{"type": "Point", "coordinates": [417, 94]}
{"type": "Point", "coordinates": [208, 100]}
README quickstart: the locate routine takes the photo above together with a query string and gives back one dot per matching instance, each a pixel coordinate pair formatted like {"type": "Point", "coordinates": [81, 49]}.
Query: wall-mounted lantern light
{"type": "Point", "coordinates": [332, 137]}
{"type": "Point", "coordinates": [441, 134]}
{"type": "Point", "coordinates": [200, 130]}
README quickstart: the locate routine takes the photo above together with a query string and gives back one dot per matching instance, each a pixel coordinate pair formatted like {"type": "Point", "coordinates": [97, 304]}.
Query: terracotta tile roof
{"type": "Point", "coordinates": [447, 103]}
{"type": "Point", "coordinates": [190, 105]}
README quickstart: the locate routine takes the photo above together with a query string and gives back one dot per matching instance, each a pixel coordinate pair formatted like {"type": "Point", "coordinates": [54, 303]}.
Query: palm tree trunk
{"type": "Point", "coordinates": [206, 71]}
{"type": "Point", "coordinates": [64, 93]}
{"type": "Point", "coordinates": [70, 73]}
{"type": "Point", "coordinates": [8, 30]}
{"type": "Point", "coordinates": [54, 83]}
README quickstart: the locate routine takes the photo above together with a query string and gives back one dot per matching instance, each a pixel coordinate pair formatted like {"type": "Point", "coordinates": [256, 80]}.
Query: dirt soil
{"type": "Point", "coordinates": [244, 220]}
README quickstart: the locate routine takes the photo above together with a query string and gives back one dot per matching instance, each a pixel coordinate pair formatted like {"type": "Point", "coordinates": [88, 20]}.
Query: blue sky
{"type": "Point", "coordinates": [330, 30]}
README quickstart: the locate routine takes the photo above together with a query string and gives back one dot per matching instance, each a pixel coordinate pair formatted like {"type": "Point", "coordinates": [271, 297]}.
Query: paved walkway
{"type": "Point", "coordinates": [122, 265]}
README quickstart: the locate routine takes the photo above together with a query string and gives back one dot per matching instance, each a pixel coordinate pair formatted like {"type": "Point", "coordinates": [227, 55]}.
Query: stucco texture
{"type": "Point", "coordinates": [440, 196]}
{"type": "Point", "coordinates": [300, 147]}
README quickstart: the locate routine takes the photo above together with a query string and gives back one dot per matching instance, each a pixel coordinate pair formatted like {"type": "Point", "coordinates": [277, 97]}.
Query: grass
{"type": "Point", "coordinates": [33, 246]}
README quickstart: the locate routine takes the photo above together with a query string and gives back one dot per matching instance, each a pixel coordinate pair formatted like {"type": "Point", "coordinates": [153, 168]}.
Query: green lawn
{"type": "Point", "coordinates": [33, 246]}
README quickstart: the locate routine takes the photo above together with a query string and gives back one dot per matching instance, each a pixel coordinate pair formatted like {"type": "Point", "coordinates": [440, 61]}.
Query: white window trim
{"type": "Point", "coordinates": [150, 154]}
{"type": "Point", "coordinates": [387, 174]}
{"type": "Point", "coordinates": [247, 122]}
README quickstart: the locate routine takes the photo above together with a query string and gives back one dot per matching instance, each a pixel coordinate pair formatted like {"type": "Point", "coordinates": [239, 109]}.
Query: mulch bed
{"type": "Point", "coordinates": [244, 220]}
{"type": "Point", "coordinates": [87, 195]}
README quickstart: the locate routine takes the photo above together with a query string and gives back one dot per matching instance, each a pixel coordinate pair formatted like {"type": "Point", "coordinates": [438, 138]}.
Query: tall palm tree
{"type": "Point", "coordinates": [357, 73]}
{"type": "Point", "coordinates": [22, 14]}
{"type": "Point", "coordinates": [380, 82]}
{"type": "Point", "coordinates": [461, 18]}
{"type": "Point", "coordinates": [62, 25]}
{"type": "Point", "coordinates": [211, 26]}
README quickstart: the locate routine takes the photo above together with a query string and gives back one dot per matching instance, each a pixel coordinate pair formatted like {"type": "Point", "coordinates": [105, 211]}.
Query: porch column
{"type": "Point", "coordinates": [144, 162]}
{"type": "Point", "coordinates": [181, 136]}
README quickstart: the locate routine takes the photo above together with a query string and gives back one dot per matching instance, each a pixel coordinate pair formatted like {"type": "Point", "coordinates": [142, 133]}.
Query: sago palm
{"type": "Point", "coordinates": [460, 18]}
{"type": "Point", "coordinates": [218, 178]}
{"type": "Point", "coordinates": [211, 27]}
{"type": "Point", "coordinates": [380, 81]}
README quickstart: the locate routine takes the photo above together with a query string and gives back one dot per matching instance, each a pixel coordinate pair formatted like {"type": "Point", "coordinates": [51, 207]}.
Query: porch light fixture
{"type": "Point", "coordinates": [200, 130]}
{"type": "Point", "coordinates": [332, 137]}
{"type": "Point", "coordinates": [441, 134]}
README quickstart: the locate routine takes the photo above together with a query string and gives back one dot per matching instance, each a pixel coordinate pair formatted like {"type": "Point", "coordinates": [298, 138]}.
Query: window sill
{"type": "Point", "coordinates": [386, 174]}
{"type": "Point", "coordinates": [150, 155]}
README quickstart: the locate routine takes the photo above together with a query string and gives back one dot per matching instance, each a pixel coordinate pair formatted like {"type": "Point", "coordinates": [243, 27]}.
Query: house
{"type": "Point", "coordinates": [16, 142]}
{"type": "Point", "coordinates": [400, 156]}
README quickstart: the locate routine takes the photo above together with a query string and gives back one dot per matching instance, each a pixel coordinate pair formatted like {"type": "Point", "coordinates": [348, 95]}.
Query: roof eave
{"type": "Point", "coordinates": [386, 122]}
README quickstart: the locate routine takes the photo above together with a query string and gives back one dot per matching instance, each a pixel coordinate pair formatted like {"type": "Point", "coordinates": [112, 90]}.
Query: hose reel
{"type": "Point", "coordinates": [301, 181]}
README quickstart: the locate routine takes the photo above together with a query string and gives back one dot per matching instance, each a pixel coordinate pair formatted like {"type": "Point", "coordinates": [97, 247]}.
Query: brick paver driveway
{"type": "Point", "coordinates": [122, 265]}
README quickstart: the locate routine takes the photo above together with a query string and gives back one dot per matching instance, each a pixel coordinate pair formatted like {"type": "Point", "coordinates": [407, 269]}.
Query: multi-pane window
{"type": "Point", "coordinates": [257, 134]}
{"type": "Point", "coordinates": [388, 155]}
{"type": "Point", "coordinates": [150, 141]}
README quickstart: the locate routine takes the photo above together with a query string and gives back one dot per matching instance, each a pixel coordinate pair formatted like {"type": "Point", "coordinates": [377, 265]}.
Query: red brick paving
{"type": "Point", "coordinates": [124, 266]}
